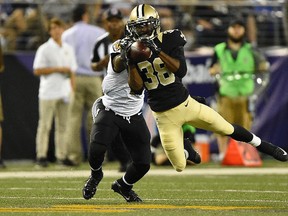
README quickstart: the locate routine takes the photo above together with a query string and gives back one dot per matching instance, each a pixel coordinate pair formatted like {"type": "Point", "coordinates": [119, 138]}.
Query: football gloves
{"type": "Point", "coordinates": [125, 45]}
{"type": "Point", "coordinates": [150, 43]}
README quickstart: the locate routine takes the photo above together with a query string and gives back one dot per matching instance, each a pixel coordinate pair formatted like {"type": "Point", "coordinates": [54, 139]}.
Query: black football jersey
{"type": "Point", "coordinates": [164, 88]}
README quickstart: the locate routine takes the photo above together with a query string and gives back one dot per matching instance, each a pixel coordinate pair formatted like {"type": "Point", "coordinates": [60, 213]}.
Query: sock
{"type": "Point", "coordinates": [95, 173]}
{"type": "Point", "coordinates": [256, 141]}
{"type": "Point", "coordinates": [124, 184]}
{"type": "Point", "coordinates": [241, 134]}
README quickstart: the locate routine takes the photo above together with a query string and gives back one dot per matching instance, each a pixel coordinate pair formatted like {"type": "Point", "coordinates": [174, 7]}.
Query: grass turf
{"type": "Point", "coordinates": [163, 195]}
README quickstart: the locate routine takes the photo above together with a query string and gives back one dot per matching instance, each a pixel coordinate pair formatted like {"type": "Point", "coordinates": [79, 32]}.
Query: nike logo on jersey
{"type": "Point", "coordinates": [186, 104]}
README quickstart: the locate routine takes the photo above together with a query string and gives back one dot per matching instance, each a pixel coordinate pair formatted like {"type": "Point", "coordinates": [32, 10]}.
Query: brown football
{"type": "Point", "coordinates": [139, 52]}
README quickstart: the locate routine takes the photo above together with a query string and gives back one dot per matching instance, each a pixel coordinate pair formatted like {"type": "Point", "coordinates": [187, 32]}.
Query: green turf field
{"type": "Point", "coordinates": [207, 189]}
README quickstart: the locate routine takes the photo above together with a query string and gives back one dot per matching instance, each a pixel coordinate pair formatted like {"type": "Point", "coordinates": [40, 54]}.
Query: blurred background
{"type": "Point", "coordinates": [24, 27]}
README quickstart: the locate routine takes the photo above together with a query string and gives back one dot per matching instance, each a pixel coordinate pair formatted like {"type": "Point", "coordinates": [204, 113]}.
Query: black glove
{"type": "Point", "coordinates": [150, 43]}
{"type": "Point", "coordinates": [125, 45]}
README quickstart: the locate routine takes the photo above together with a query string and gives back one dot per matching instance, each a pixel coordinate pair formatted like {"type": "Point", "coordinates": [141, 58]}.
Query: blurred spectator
{"type": "Point", "coordinates": [235, 62]}
{"type": "Point", "coordinates": [210, 25]}
{"type": "Point", "coordinates": [186, 25]}
{"type": "Point", "coordinates": [271, 24]}
{"type": "Point", "coordinates": [55, 63]}
{"type": "Point", "coordinates": [2, 165]}
{"type": "Point", "coordinates": [82, 37]}
{"type": "Point", "coordinates": [14, 26]}
{"type": "Point", "coordinates": [35, 33]}
{"type": "Point", "coordinates": [59, 8]}
{"type": "Point", "coordinates": [167, 18]}
{"type": "Point", "coordinates": [211, 22]}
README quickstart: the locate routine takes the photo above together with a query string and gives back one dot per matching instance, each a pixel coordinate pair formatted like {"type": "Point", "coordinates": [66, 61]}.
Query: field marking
{"type": "Point", "coordinates": [167, 190]}
{"type": "Point", "coordinates": [148, 199]}
{"type": "Point", "coordinates": [123, 208]}
{"type": "Point", "coordinates": [152, 172]}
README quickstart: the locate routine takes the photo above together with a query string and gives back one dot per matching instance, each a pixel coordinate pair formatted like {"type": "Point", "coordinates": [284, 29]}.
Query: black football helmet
{"type": "Point", "coordinates": [143, 22]}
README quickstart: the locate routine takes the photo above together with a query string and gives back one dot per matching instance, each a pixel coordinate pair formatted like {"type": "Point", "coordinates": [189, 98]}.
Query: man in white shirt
{"type": "Point", "coordinates": [54, 62]}
{"type": "Point", "coordinates": [82, 37]}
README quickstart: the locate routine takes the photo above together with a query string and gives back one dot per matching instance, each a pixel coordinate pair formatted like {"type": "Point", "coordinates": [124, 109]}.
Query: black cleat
{"type": "Point", "coordinates": [129, 195]}
{"type": "Point", "coordinates": [90, 187]}
{"type": "Point", "coordinates": [192, 154]}
{"type": "Point", "coordinates": [42, 162]}
{"type": "Point", "coordinates": [280, 154]}
{"type": "Point", "coordinates": [272, 150]}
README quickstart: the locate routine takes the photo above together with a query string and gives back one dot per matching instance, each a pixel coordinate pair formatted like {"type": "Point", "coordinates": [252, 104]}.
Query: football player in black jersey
{"type": "Point", "coordinates": [169, 100]}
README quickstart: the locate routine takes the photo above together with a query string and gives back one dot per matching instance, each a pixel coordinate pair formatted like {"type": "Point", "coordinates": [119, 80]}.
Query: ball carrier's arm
{"type": "Point", "coordinates": [134, 79]}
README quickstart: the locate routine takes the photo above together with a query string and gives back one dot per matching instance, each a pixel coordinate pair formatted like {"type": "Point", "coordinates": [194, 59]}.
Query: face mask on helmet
{"type": "Point", "coordinates": [144, 29]}
{"type": "Point", "coordinates": [143, 22]}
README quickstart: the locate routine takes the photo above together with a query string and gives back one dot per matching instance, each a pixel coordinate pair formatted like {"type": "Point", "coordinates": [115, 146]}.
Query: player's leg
{"type": "Point", "coordinates": [120, 152]}
{"type": "Point", "coordinates": [103, 132]}
{"type": "Point", "coordinates": [136, 137]}
{"type": "Point", "coordinates": [60, 129]}
{"type": "Point", "coordinates": [209, 119]}
{"type": "Point", "coordinates": [169, 124]}
{"type": "Point", "coordinates": [46, 113]}
{"type": "Point", "coordinates": [74, 122]}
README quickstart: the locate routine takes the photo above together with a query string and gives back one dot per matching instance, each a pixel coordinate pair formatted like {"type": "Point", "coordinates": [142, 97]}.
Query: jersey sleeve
{"type": "Point", "coordinates": [172, 39]}
{"type": "Point", "coordinates": [115, 49]}
{"type": "Point", "coordinates": [173, 44]}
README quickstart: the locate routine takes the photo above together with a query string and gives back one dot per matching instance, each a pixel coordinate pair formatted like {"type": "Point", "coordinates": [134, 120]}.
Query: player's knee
{"type": "Point", "coordinates": [180, 167]}
{"type": "Point", "coordinates": [97, 150]}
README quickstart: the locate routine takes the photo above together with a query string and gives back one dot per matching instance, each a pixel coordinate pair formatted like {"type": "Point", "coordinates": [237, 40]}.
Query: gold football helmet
{"type": "Point", "coordinates": [143, 22]}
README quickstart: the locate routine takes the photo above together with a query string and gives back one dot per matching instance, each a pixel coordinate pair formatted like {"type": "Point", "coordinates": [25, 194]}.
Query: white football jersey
{"type": "Point", "coordinates": [117, 95]}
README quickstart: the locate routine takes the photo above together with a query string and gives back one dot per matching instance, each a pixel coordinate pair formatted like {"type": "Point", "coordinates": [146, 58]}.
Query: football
{"type": "Point", "coordinates": [139, 52]}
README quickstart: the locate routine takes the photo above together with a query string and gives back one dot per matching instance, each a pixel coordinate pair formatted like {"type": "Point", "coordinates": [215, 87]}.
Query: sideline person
{"type": "Point", "coordinates": [54, 63]}
{"type": "Point", "coordinates": [235, 62]}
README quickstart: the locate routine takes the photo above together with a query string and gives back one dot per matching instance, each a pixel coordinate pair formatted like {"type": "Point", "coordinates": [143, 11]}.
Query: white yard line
{"type": "Point", "coordinates": [152, 172]}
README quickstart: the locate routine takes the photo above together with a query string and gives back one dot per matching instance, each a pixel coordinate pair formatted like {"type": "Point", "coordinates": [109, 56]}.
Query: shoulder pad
{"type": "Point", "coordinates": [174, 36]}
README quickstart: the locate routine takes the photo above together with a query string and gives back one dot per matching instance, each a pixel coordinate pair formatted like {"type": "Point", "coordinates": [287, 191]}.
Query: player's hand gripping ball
{"type": "Point", "coordinates": [139, 52]}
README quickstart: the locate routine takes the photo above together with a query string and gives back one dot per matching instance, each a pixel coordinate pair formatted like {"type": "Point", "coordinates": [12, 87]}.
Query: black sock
{"type": "Point", "coordinates": [124, 185]}
{"type": "Point", "coordinates": [96, 173]}
{"type": "Point", "coordinates": [241, 134]}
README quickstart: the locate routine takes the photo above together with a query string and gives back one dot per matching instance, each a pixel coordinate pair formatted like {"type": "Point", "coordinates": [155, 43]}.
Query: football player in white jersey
{"type": "Point", "coordinates": [118, 112]}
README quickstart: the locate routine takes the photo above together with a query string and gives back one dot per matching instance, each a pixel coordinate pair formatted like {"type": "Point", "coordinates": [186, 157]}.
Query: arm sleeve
{"type": "Point", "coordinates": [39, 60]}
{"type": "Point", "coordinates": [178, 53]}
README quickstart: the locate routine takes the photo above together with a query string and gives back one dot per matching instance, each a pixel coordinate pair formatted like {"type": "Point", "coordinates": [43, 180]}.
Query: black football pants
{"type": "Point", "coordinates": [135, 135]}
